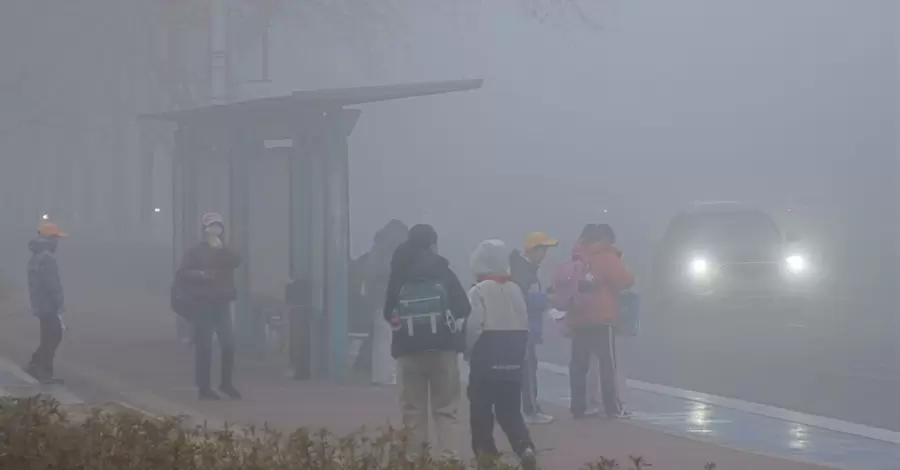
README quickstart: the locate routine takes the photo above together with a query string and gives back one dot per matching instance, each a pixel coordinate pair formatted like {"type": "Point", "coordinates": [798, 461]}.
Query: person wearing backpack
{"type": "Point", "coordinates": [590, 286]}
{"type": "Point", "coordinates": [524, 266]}
{"type": "Point", "coordinates": [203, 291]}
{"type": "Point", "coordinates": [496, 340]}
{"type": "Point", "coordinates": [426, 305]}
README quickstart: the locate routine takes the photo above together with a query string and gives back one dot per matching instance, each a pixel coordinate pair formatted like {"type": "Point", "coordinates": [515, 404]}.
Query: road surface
{"type": "Point", "coordinates": [832, 359]}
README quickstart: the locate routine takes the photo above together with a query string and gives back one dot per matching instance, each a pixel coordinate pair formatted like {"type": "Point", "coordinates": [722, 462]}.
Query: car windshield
{"type": "Point", "coordinates": [745, 228]}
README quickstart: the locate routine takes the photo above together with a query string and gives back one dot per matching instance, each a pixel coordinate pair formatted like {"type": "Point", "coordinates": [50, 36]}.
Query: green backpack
{"type": "Point", "coordinates": [423, 320]}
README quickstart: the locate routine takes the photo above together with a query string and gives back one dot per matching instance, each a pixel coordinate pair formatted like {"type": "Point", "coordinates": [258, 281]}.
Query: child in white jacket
{"type": "Point", "coordinates": [496, 338]}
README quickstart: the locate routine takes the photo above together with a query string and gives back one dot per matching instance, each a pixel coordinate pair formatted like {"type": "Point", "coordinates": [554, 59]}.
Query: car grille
{"type": "Point", "coordinates": [750, 274]}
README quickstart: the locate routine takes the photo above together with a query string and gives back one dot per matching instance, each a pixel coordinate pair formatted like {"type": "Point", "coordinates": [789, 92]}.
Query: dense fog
{"type": "Point", "coordinates": [625, 112]}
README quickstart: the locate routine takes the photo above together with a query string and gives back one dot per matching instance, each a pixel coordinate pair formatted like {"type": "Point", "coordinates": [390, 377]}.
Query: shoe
{"type": "Point", "coordinates": [589, 413]}
{"type": "Point", "coordinates": [209, 395]}
{"type": "Point", "coordinates": [41, 376]}
{"type": "Point", "coordinates": [539, 418]}
{"type": "Point", "coordinates": [230, 391]}
{"type": "Point", "coordinates": [622, 414]}
{"type": "Point", "coordinates": [449, 456]}
{"type": "Point", "coordinates": [528, 459]}
{"type": "Point", "coordinates": [487, 460]}
{"type": "Point", "coordinates": [33, 371]}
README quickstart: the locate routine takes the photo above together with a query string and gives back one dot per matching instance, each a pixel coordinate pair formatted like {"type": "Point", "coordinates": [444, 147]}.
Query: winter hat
{"type": "Point", "coordinates": [490, 258]}
{"type": "Point", "coordinates": [211, 218]}
{"type": "Point", "coordinates": [51, 230]}
{"type": "Point", "coordinates": [392, 233]}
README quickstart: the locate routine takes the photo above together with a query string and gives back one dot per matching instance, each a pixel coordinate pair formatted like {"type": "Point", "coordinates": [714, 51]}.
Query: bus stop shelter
{"type": "Point", "coordinates": [277, 170]}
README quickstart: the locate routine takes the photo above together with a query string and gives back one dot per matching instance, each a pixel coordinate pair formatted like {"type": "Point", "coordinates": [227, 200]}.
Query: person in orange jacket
{"type": "Point", "coordinates": [592, 321]}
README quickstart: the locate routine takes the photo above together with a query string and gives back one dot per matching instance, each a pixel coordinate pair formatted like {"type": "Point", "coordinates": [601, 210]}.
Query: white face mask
{"type": "Point", "coordinates": [215, 230]}
{"type": "Point", "coordinates": [214, 236]}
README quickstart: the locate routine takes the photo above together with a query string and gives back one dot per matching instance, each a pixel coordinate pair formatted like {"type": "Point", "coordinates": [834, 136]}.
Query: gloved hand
{"type": "Point", "coordinates": [556, 314]}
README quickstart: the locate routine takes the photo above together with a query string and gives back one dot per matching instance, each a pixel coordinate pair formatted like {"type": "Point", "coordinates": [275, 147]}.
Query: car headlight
{"type": "Point", "coordinates": [699, 268]}
{"type": "Point", "coordinates": [796, 264]}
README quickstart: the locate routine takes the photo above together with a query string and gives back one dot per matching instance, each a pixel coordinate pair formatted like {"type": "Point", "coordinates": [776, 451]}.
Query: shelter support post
{"type": "Point", "coordinates": [178, 196]}
{"type": "Point", "coordinates": [301, 321]}
{"type": "Point", "coordinates": [337, 249]}
{"type": "Point", "coordinates": [320, 344]}
{"type": "Point", "coordinates": [242, 149]}
{"type": "Point", "coordinates": [147, 146]}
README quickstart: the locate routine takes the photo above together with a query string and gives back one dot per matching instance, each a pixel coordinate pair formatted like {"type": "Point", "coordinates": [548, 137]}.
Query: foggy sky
{"type": "Point", "coordinates": [664, 104]}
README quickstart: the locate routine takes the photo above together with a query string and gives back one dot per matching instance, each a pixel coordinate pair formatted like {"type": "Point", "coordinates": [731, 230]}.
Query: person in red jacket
{"type": "Point", "coordinates": [591, 323]}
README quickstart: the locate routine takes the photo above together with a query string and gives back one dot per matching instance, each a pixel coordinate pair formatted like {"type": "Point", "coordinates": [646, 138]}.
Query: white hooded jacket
{"type": "Point", "coordinates": [497, 328]}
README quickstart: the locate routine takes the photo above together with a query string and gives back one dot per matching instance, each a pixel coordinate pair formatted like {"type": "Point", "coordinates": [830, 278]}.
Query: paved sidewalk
{"type": "Point", "coordinates": [131, 355]}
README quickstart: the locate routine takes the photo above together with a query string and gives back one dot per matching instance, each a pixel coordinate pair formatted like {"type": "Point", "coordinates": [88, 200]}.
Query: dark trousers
{"type": "Point", "coordinates": [209, 320]}
{"type": "Point", "coordinates": [530, 405]}
{"type": "Point", "coordinates": [586, 341]}
{"type": "Point", "coordinates": [51, 336]}
{"type": "Point", "coordinates": [499, 400]}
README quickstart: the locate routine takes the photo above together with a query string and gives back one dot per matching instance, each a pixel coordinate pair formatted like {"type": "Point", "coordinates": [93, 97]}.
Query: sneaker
{"type": "Point", "coordinates": [230, 391]}
{"type": "Point", "coordinates": [209, 395]}
{"type": "Point", "coordinates": [528, 459]}
{"type": "Point", "coordinates": [622, 414]}
{"type": "Point", "coordinates": [41, 376]}
{"type": "Point", "coordinates": [589, 413]}
{"type": "Point", "coordinates": [33, 371]}
{"type": "Point", "coordinates": [487, 460]}
{"type": "Point", "coordinates": [539, 418]}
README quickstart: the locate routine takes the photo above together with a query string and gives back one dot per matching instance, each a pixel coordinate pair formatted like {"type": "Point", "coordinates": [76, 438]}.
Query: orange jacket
{"type": "Point", "coordinates": [611, 277]}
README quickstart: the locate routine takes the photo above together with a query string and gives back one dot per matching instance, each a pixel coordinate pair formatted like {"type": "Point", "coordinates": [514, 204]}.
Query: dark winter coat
{"type": "Point", "coordinates": [525, 274]}
{"type": "Point", "coordinates": [377, 266]}
{"type": "Point", "coordinates": [44, 284]}
{"type": "Point", "coordinates": [410, 263]}
{"type": "Point", "coordinates": [208, 274]}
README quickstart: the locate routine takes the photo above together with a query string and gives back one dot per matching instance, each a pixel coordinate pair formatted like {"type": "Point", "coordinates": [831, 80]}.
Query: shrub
{"type": "Point", "coordinates": [37, 434]}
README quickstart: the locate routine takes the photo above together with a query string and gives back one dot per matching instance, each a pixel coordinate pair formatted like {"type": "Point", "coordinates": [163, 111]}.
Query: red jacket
{"type": "Point", "coordinates": [611, 277]}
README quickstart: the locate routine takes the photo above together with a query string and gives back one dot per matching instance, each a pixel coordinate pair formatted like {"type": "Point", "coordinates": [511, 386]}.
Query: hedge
{"type": "Point", "coordinates": [38, 434]}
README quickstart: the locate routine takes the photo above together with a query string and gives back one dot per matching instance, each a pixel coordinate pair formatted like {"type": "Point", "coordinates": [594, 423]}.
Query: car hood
{"type": "Point", "coordinates": [727, 253]}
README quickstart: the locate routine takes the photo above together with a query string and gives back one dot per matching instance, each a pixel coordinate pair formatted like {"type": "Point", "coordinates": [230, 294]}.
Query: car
{"type": "Point", "coordinates": [730, 251]}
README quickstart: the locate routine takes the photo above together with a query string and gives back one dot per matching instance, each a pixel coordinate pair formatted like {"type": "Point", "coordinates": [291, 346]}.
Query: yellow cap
{"type": "Point", "coordinates": [539, 239]}
{"type": "Point", "coordinates": [50, 230]}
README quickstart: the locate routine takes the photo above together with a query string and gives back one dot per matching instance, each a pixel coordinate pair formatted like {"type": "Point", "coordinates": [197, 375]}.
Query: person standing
{"type": "Point", "coordinates": [47, 300]}
{"type": "Point", "coordinates": [207, 273]}
{"type": "Point", "coordinates": [496, 340]}
{"type": "Point", "coordinates": [376, 274]}
{"type": "Point", "coordinates": [593, 317]}
{"type": "Point", "coordinates": [524, 266]}
{"type": "Point", "coordinates": [425, 304]}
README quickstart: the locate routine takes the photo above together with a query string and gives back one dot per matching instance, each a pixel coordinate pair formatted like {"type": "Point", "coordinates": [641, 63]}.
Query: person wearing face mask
{"type": "Point", "coordinates": [207, 272]}
{"type": "Point", "coordinates": [592, 319]}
